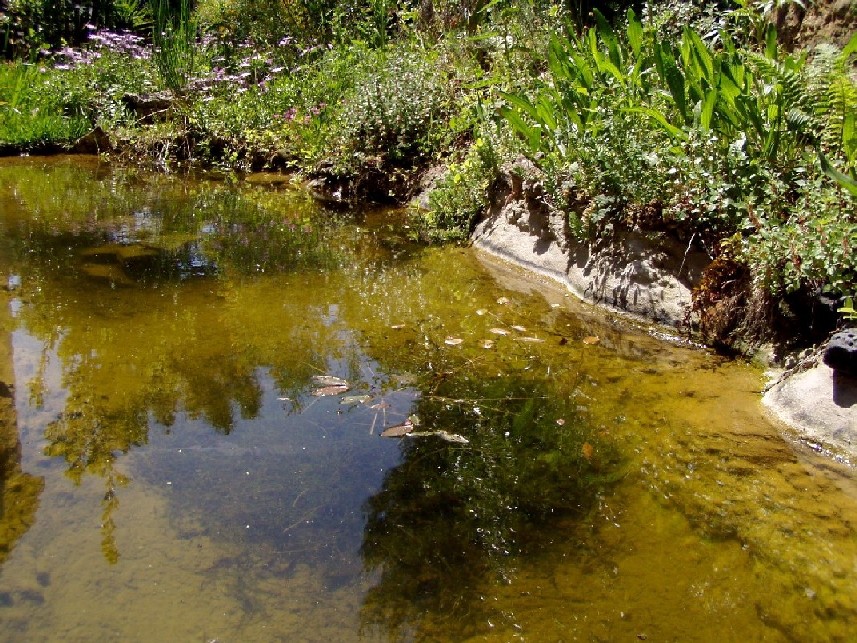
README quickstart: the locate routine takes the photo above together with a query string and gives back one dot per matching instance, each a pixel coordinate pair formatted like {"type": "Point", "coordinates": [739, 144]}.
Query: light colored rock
{"type": "Point", "coordinates": [649, 275]}
{"type": "Point", "coordinates": [820, 404]}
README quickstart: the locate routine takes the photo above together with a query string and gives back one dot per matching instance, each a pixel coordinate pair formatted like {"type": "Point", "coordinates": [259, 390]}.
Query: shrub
{"type": "Point", "coordinates": [396, 111]}
{"type": "Point", "coordinates": [461, 195]}
{"type": "Point", "coordinates": [734, 142]}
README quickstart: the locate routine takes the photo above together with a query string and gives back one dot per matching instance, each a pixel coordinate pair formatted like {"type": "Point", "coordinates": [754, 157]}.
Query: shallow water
{"type": "Point", "coordinates": [173, 471]}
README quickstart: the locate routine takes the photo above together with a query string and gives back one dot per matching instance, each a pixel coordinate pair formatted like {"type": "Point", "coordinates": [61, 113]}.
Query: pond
{"type": "Point", "coordinates": [231, 414]}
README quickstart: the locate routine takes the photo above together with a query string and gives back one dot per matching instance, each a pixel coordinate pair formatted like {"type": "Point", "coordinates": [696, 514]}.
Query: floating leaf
{"type": "Point", "coordinates": [398, 431]}
{"type": "Point", "coordinates": [326, 391]}
{"type": "Point", "coordinates": [328, 380]}
{"type": "Point", "coordinates": [591, 340]}
{"type": "Point", "coordinates": [453, 341]}
{"type": "Point", "coordinates": [587, 450]}
{"type": "Point", "coordinates": [498, 331]}
{"type": "Point", "coordinates": [355, 399]}
{"type": "Point", "coordinates": [452, 437]}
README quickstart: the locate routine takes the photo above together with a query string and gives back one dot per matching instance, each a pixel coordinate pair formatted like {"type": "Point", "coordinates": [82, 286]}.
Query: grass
{"type": "Point", "coordinates": [30, 116]}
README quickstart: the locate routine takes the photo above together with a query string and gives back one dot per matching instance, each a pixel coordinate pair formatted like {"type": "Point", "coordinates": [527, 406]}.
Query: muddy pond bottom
{"type": "Point", "coordinates": [229, 414]}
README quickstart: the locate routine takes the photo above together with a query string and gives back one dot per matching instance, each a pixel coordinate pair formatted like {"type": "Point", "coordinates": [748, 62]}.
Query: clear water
{"type": "Point", "coordinates": [171, 470]}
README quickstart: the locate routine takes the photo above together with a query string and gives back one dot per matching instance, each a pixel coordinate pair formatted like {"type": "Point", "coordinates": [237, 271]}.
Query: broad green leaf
{"type": "Point", "coordinates": [609, 38]}
{"type": "Point", "coordinates": [701, 54]}
{"type": "Point", "coordinates": [546, 111]}
{"type": "Point", "coordinates": [584, 71]}
{"type": "Point", "coordinates": [845, 181]}
{"type": "Point", "coordinates": [594, 50]}
{"type": "Point", "coordinates": [558, 60]}
{"type": "Point", "coordinates": [531, 134]}
{"type": "Point", "coordinates": [771, 42]}
{"type": "Point", "coordinates": [707, 112]}
{"type": "Point", "coordinates": [634, 32]}
{"type": "Point", "coordinates": [605, 66]}
{"type": "Point", "coordinates": [521, 103]}
{"type": "Point", "coordinates": [851, 47]}
{"type": "Point", "coordinates": [661, 120]}
{"type": "Point", "coordinates": [849, 136]}
{"type": "Point", "coordinates": [672, 76]}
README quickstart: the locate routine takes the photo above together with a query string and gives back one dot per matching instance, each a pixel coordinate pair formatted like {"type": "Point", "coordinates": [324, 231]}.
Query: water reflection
{"type": "Point", "coordinates": [19, 490]}
{"type": "Point", "coordinates": [134, 292]}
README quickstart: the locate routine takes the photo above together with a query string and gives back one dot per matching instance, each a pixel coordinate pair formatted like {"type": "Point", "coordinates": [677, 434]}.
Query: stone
{"type": "Point", "coordinates": [651, 276]}
{"type": "Point", "coordinates": [841, 352]}
{"type": "Point", "coordinates": [148, 108]}
{"type": "Point", "coordinates": [820, 406]}
{"type": "Point", "coordinates": [95, 142]}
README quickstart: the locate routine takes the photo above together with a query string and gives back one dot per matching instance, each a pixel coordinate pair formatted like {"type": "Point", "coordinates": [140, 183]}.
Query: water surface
{"type": "Point", "coordinates": [175, 465]}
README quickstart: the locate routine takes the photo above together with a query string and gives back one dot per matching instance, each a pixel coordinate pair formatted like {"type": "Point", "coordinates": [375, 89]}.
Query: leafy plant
{"type": "Point", "coordinates": [396, 110]}
{"type": "Point", "coordinates": [462, 194]}
{"type": "Point", "coordinates": [174, 37]}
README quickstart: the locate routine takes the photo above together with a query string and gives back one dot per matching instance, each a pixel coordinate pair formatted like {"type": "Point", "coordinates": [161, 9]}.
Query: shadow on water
{"type": "Point", "coordinates": [454, 516]}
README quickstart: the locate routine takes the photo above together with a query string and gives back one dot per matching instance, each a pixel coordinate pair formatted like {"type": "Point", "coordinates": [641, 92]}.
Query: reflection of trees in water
{"type": "Point", "coordinates": [154, 345]}
{"type": "Point", "coordinates": [454, 516]}
{"type": "Point", "coordinates": [19, 491]}
{"type": "Point", "coordinates": [130, 284]}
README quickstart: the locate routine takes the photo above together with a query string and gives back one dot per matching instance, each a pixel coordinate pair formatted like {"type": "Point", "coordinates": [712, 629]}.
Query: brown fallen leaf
{"type": "Point", "coordinates": [399, 430]}
{"type": "Point", "coordinates": [587, 450]}
{"type": "Point", "coordinates": [328, 380]}
{"type": "Point", "coordinates": [591, 340]}
{"type": "Point", "coordinates": [324, 391]}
